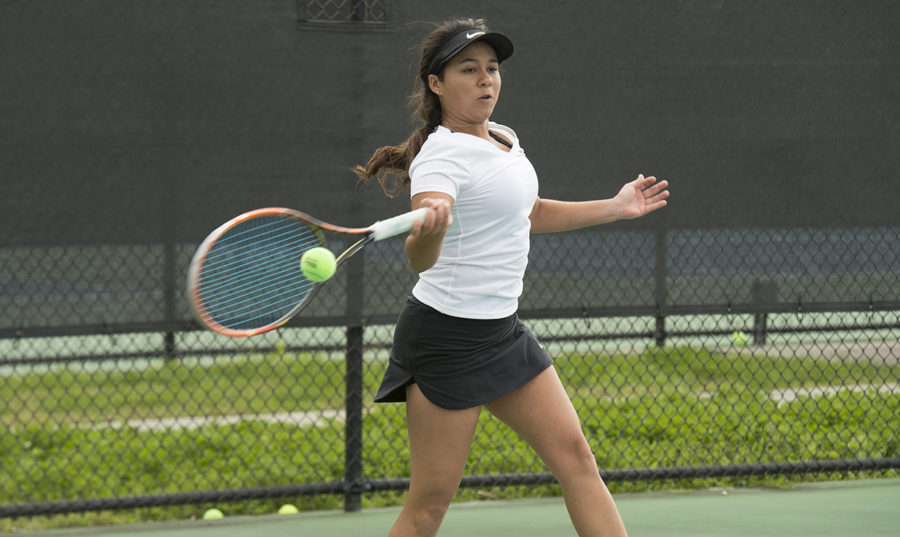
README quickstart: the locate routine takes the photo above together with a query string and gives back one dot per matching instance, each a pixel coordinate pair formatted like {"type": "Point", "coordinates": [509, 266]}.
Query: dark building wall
{"type": "Point", "coordinates": [137, 121]}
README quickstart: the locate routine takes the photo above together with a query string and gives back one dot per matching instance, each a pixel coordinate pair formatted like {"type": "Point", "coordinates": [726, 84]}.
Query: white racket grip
{"type": "Point", "coordinates": [399, 224]}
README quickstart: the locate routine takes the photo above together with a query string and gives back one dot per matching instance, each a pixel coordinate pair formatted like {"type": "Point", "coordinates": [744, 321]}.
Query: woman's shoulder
{"type": "Point", "coordinates": [443, 144]}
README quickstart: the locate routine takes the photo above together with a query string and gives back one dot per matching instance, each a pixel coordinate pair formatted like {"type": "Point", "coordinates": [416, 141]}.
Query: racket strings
{"type": "Point", "coordinates": [250, 255]}
{"type": "Point", "coordinates": [251, 276]}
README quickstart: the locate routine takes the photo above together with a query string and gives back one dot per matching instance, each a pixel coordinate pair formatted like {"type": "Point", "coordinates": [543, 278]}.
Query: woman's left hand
{"type": "Point", "coordinates": [641, 196]}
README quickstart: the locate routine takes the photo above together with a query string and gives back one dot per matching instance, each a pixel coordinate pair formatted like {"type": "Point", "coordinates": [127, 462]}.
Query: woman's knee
{"type": "Point", "coordinates": [572, 456]}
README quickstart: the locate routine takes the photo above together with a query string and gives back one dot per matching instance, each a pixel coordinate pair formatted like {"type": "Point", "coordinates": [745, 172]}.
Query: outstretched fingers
{"type": "Point", "coordinates": [654, 192]}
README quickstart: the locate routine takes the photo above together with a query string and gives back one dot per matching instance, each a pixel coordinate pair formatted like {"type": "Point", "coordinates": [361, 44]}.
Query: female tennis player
{"type": "Point", "coordinates": [458, 344]}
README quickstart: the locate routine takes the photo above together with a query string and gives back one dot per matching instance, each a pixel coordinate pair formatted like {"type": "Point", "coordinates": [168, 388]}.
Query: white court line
{"type": "Point", "coordinates": [300, 419]}
{"type": "Point", "coordinates": [792, 394]}
{"type": "Point", "coordinates": [319, 418]}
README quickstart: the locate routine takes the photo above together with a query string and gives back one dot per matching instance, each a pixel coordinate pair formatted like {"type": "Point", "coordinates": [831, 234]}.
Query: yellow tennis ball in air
{"type": "Point", "coordinates": [318, 264]}
{"type": "Point", "coordinates": [288, 509]}
{"type": "Point", "coordinates": [213, 514]}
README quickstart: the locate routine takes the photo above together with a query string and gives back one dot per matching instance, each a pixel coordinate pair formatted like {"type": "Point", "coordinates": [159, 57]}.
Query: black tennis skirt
{"type": "Point", "coordinates": [459, 363]}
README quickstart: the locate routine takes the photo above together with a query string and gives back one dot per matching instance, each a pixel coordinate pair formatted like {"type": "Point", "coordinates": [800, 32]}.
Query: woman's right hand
{"type": "Point", "coordinates": [423, 245]}
{"type": "Point", "coordinates": [438, 218]}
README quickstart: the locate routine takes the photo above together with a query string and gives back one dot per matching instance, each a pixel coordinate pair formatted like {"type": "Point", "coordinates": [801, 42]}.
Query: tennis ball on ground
{"type": "Point", "coordinates": [739, 339]}
{"type": "Point", "coordinates": [318, 264]}
{"type": "Point", "coordinates": [288, 509]}
{"type": "Point", "coordinates": [213, 514]}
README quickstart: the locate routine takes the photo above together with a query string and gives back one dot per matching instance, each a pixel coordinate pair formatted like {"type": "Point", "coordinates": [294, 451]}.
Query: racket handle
{"type": "Point", "coordinates": [398, 224]}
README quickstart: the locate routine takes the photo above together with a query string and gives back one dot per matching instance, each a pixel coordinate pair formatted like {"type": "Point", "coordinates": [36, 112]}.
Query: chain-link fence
{"type": "Point", "coordinates": [343, 11]}
{"type": "Point", "coordinates": [746, 353]}
{"type": "Point", "coordinates": [750, 328]}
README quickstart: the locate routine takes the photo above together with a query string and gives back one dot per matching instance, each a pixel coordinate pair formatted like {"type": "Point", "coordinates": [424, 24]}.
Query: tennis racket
{"type": "Point", "coordinates": [245, 277]}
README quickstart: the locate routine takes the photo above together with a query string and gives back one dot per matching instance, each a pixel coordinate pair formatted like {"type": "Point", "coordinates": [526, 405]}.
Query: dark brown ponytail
{"type": "Point", "coordinates": [389, 165]}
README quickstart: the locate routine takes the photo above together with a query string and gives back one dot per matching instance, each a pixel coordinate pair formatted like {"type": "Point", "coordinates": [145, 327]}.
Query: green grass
{"type": "Point", "coordinates": [257, 384]}
{"type": "Point", "coordinates": [62, 434]}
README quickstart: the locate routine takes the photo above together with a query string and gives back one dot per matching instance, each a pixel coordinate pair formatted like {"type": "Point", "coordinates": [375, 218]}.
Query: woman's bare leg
{"type": "Point", "coordinates": [542, 414]}
{"type": "Point", "coordinates": [439, 443]}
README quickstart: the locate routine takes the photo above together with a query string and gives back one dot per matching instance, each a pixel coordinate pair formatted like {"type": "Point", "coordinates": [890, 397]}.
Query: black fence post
{"type": "Point", "coordinates": [660, 288]}
{"type": "Point", "coordinates": [353, 440]}
{"type": "Point", "coordinates": [353, 407]}
{"type": "Point", "coordinates": [763, 292]}
{"type": "Point", "coordinates": [169, 295]}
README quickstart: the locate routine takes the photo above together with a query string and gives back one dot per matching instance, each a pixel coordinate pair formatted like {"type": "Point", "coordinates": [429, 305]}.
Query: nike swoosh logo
{"type": "Point", "coordinates": [474, 34]}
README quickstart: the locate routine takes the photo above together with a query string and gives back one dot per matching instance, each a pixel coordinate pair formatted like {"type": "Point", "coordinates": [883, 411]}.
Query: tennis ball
{"type": "Point", "coordinates": [213, 514]}
{"type": "Point", "coordinates": [318, 264]}
{"type": "Point", "coordinates": [738, 338]}
{"type": "Point", "coordinates": [288, 509]}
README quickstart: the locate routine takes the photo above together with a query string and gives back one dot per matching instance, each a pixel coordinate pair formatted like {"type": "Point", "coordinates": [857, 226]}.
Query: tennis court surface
{"type": "Point", "coordinates": [868, 508]}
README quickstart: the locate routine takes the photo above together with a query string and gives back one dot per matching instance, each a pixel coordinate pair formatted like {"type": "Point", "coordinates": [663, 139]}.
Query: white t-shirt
{"type": "Point", "coordinates": [482, 263]}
